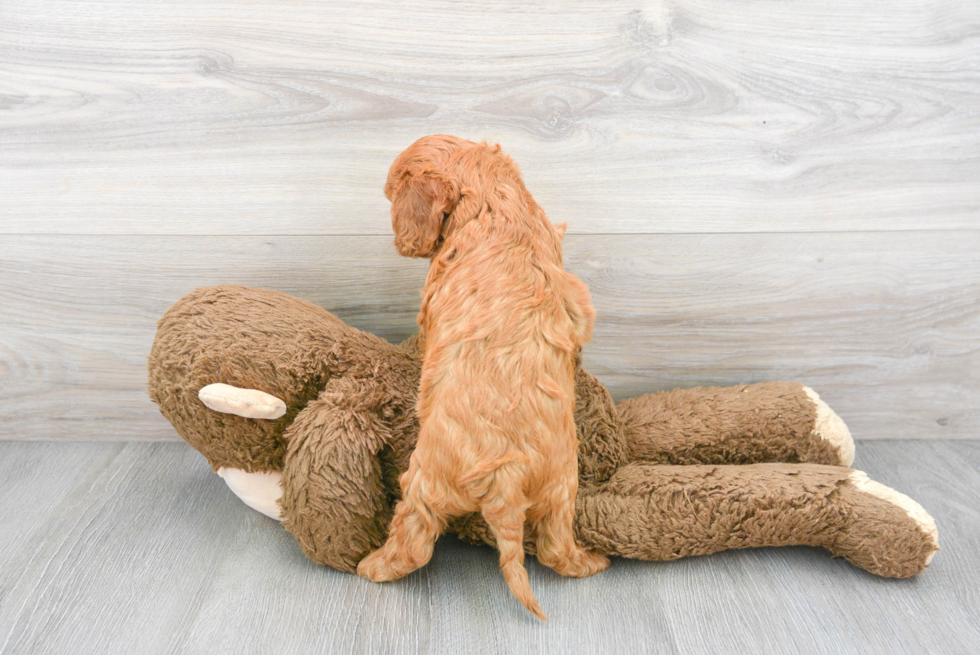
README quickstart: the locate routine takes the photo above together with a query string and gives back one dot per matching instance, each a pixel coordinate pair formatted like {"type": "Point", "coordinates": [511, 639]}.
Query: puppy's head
{"type": "Point", "coordinates": [423, 191]}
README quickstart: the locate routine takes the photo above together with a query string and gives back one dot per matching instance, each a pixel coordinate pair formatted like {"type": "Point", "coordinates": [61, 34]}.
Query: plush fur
{"type": "Point", "coordinates": [501, 320]}
{"type": "Point", "coordinates": [661, 476]}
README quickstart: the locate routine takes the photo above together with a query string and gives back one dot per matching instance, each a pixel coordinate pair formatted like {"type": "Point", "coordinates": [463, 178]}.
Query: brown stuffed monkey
{"type": "Point", "coordinates": [311, 421]}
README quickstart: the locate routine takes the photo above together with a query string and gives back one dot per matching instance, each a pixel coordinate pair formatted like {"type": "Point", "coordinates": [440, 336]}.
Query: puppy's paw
{"type": "Point", "coordinates": [376, 568]}
{"type": "Point", "coordinates": [582, 564]}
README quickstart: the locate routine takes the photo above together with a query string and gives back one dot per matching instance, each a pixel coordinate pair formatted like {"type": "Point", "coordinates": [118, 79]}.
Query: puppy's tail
{"type": "Point", "coordinates": [507, 525]}
{"type": "Point", "coordinates": [516, 576]}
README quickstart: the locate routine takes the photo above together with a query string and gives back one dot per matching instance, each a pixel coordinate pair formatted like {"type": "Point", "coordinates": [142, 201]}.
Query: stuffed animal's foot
{"type": "Point", "coordinates": [885, 532]}
{"type": "Point", "coordinates": [830, 428]}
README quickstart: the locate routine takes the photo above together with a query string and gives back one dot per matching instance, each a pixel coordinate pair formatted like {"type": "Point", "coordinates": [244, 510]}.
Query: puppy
{"type": "Point", "coordinates": [501, 323]}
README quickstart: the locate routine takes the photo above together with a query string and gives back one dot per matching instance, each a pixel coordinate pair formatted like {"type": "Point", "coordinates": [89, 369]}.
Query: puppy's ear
{"type": "Point", "coordinates": [420, 202]}
{"type": "Point", "coordinates": [578, 305]}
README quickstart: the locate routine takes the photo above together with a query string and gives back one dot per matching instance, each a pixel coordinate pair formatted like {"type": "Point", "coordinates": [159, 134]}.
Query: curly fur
{"type": "Point", "coordinates": [502, 322]}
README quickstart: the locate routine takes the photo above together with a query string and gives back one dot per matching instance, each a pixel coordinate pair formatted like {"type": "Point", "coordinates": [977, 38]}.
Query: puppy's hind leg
{"type": "Point", "coordinates": [414, 530]}
{"type": "Point", "coordinates": [505, 516]}
{"type": "Point", "coordinates": [556, 534]}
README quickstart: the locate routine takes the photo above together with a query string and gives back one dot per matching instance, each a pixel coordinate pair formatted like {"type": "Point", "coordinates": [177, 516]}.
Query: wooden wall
{"type": "Point", "coordinates": [754, 191]}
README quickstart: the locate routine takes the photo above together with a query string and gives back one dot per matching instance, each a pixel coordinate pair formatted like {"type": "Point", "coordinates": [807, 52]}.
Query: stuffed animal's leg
{"type": "Point", "coordinates": [744, 424]}
{"type": "Point", "coordinates": [658, 512]}
{"type": "Point", "coordinates": [334, 499]}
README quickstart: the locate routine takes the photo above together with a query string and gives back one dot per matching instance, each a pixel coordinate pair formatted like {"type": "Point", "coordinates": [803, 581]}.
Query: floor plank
{"type": "Point", "coordinates": [175, 117]}
{"type": "Point", "coordinates": [140, 548]}
{"type": "Point", "coordinates": [882, 325]}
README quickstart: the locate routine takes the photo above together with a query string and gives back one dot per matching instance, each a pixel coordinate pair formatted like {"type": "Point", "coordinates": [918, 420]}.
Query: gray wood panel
{"type": "Point", "coordinates": [883, 325]}
{"type": "Point", "coordinates": [139, 548]}
{"type": "Point", "coordinates": [176, 117]}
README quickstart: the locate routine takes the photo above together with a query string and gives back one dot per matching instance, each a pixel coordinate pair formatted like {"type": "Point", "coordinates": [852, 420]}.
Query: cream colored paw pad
{"type": "Point", "coordinates": [248, 403]}
{"type": "Point", "coordinates": [260, 491]}
{"type": "Point", "coordinates": [831, 428]}
{"type": "Point", "coordinates": [916, 512]}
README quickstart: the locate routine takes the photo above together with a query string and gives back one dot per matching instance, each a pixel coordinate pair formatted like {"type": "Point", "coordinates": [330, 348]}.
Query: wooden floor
{"type": "Point", "coordinates": [139, 548]}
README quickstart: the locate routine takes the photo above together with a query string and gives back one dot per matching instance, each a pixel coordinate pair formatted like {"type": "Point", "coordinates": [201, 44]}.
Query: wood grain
{"type": "Point", "coordinates": [140, 548]}
{"type": "Point", "coordinates": [883, 325]}
{"type": "Point", "coordinates": [180, 117]}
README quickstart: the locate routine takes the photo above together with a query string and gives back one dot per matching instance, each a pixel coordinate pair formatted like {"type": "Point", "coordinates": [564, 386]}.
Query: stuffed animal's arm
{"type": "Point", "coordinates": [330, 493]}
{"type": "Point", "coordinates": [744, 424]}
{"type": "Point", "coordinates": [657, 512]}
{"type": "Point", "coordinates": [335, 500]}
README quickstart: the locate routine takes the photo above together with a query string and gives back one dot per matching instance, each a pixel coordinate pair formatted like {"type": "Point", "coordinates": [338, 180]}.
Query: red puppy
{"type": "Point", "coordinates": [501, 322]}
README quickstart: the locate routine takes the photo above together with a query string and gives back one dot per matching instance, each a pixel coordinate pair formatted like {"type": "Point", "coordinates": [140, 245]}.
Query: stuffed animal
{"type": "Point", "coordinates": [311, 421]}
